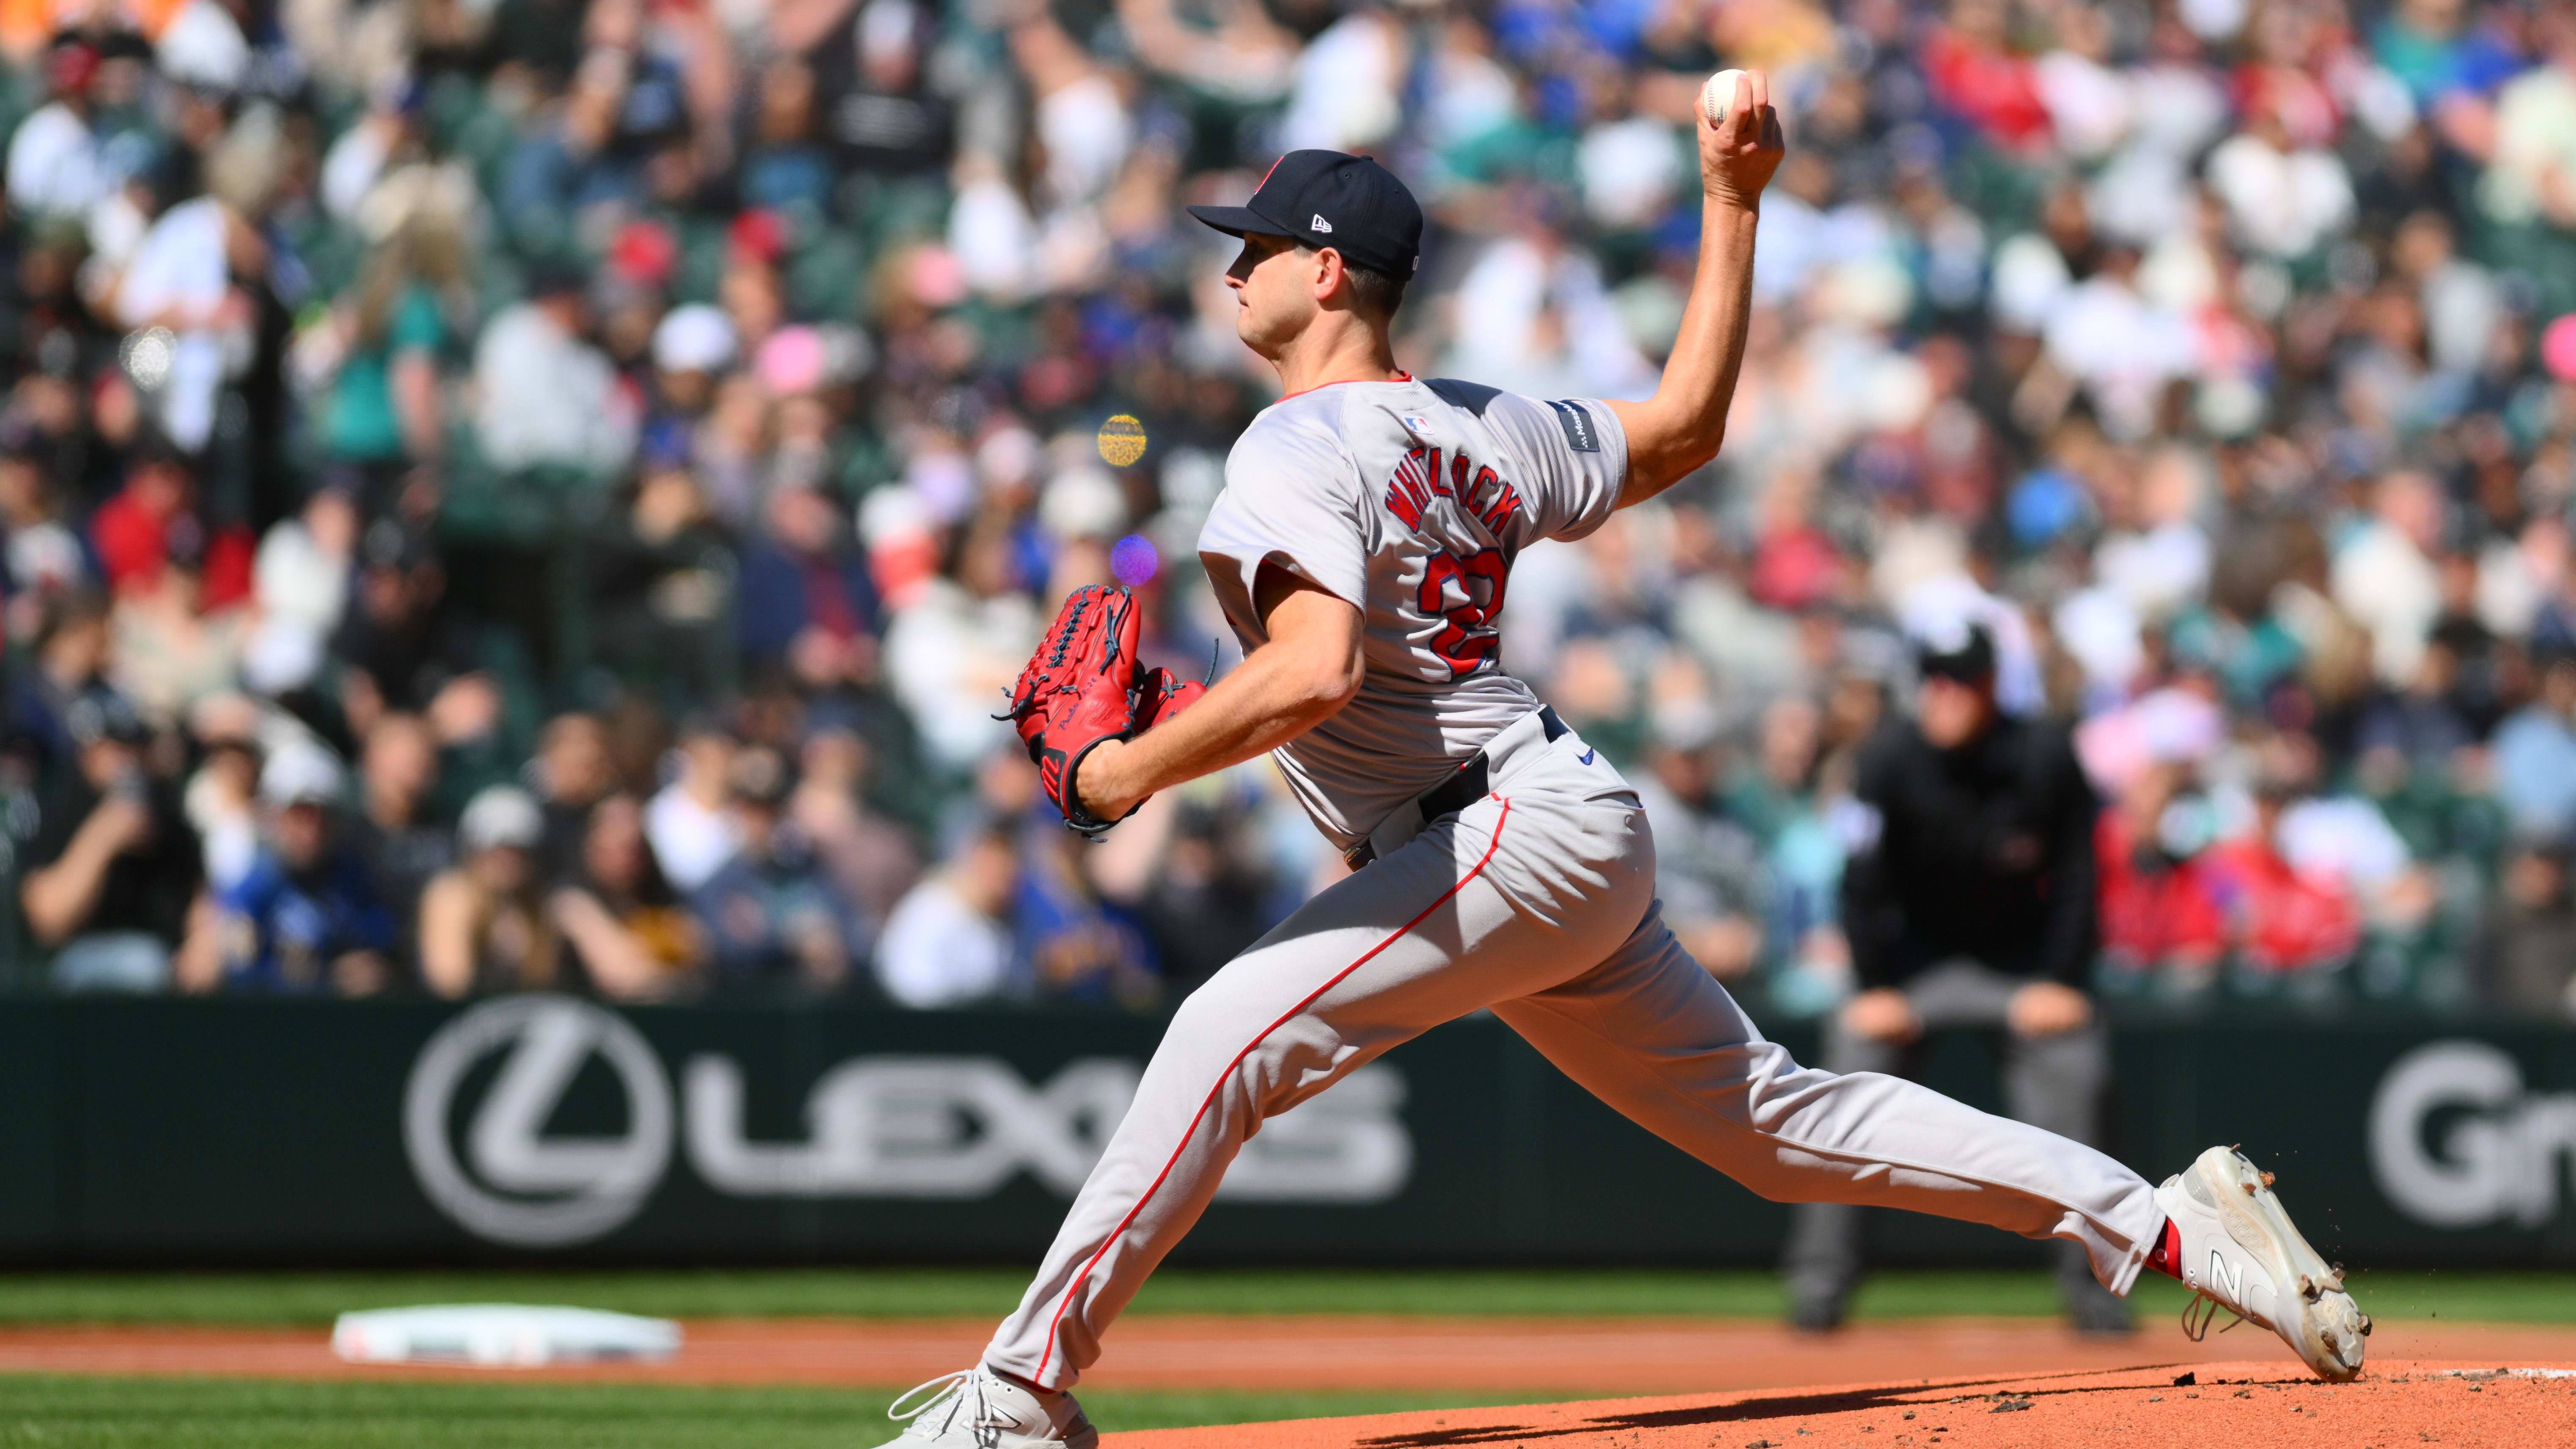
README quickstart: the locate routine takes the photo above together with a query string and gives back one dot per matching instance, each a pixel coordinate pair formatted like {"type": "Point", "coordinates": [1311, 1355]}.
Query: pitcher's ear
{"type": "Point", "coordinates": [1331, 269]}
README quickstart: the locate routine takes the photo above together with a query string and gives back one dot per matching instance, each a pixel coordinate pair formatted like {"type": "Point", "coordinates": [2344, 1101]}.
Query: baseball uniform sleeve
{"type": "Point", "coordinates": [1577, 460]}
{"type": "Point", "coordinates": [1292, 497]}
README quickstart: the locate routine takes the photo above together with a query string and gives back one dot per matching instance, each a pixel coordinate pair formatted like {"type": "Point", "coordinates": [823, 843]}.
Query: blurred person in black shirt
{"type": "Point", "coordinates": [117, 870]}
{"type": "Point", "coordinates": [68, 663]}
{"type": "Point", "coordinates": [875, 99]}
{"type": "Point", "coordinates": [393, 828]}
{"type": "Point", "coordinates": [1972, 908]}
{"type": "Point", "coordinates": [1208, 900]}
{"type": "Point", "coordinates": [571, 773]}
{"type": "Point", "coordinates": [399, 645]}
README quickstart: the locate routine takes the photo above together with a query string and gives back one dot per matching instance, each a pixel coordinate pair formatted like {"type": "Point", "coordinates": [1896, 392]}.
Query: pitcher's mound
{"type": "Point", "coordinates": [2223, 1403]}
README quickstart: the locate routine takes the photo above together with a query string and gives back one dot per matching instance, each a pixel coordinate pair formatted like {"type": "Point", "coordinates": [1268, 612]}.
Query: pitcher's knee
{"type": "Point", "coordinates": [1769, 1082]}
{"type": "Point", "coordinates": [1226, 1015]}
{"type": "Point", "coordinates": [1264, 1072]}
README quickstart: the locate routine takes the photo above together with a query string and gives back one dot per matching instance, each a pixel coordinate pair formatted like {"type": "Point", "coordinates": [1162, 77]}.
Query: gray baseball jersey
{"type": "Point", "coordinates": [1409, 499]}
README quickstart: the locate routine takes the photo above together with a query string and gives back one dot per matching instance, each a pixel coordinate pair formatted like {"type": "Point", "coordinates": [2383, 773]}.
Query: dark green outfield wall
{"type": "Point", "coordinates": [537, 1129]}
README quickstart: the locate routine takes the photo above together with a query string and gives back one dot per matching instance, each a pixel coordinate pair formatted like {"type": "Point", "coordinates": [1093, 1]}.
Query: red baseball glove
{"type": "Point", "coordinates": [1162, 694]}
{"type": "Point", "coordinates": [1082, 686]}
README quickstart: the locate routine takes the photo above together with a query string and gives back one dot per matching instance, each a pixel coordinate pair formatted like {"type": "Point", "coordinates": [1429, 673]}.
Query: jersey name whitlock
{"type": "Point", "coordinates": [1478, 492]}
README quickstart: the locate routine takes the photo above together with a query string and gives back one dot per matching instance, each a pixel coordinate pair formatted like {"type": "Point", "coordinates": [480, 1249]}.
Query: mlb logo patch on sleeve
{"type": "Point", "coordinates": [1577, 422]}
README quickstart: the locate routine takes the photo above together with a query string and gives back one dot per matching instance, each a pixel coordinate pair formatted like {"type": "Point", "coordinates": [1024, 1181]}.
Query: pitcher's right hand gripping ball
{"type": "Point", "coordinates": [1082, 687]}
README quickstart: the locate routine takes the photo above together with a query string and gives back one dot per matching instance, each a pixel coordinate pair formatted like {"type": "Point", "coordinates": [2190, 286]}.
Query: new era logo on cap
{"type": "Point", "coordinates": [1374, 222]}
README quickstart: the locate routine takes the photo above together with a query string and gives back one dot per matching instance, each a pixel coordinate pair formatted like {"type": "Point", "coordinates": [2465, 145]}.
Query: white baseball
{"type": "Point", "coordinates": [1718, 96]}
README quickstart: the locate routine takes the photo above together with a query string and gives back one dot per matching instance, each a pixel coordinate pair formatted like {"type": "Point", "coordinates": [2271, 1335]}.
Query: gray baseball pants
{"type": "Point", "coordinates": [2052, 1082]}
{"type": "Point", "coordinates": [1537, 902]}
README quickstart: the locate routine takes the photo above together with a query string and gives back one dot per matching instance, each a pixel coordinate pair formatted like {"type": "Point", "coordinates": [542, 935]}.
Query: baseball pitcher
{"type": "Point", "coordinates": [1362, 550]}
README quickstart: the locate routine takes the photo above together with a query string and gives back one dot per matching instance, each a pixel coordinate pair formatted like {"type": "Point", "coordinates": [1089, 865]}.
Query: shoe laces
{"type": "Point", "coordinates": [953, 1392]}
{"type": "Point", "coordinates": [2197, 1329]}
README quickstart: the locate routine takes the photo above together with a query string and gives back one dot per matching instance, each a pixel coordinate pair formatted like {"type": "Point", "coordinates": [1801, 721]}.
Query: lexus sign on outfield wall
{"type": "Point", "coordinates": [878, 1126]}
{"type": "Point", "coordinates": [243, 1132]}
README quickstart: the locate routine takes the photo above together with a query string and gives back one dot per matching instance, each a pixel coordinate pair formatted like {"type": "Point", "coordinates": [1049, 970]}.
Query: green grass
{"type": "Point", "coordinates": [2537, 1297]}
{"type": "Point", "coordinates": [115, 1413]}
{"type": "Point", "coordinates": [313, 1298]}
{"type": "Point", "coordinates": [138, 1413]}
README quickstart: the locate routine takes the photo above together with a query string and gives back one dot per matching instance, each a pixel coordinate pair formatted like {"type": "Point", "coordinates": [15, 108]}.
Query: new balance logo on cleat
{"type": "Point", "coordinates": [2232, 1284]}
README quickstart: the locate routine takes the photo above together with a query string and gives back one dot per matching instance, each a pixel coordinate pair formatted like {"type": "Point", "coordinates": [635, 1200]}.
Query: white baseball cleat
{"type": "Point", "coordinates": [977, 1408]}
{"type": "Point", "coordinates": [2239, 1252]}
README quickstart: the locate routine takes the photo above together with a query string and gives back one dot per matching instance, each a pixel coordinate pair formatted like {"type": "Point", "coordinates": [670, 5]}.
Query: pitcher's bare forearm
{"type": "Point", "coordinates": [1310, 669]}
{"type": "Point", "coordinates": [1682, 425]}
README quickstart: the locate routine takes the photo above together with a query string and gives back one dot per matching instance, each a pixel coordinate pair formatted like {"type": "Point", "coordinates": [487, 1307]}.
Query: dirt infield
{"type": "Point", "coordinates": [2404, 1404]}
{"type": "Point", "coordinates": [1538, 1356]}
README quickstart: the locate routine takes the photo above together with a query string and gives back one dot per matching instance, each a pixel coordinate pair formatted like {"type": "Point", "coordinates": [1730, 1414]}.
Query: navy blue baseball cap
{"type": "Point", "coordinates": [1328, 199]}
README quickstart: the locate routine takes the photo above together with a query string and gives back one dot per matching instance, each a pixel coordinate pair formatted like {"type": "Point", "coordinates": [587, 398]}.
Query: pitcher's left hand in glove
{"type": "Point", "coordinates": [1082, 687]}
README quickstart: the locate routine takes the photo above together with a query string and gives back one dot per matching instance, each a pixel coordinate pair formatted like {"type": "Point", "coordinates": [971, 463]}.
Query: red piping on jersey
{"type": "Point", "coordinates": [1400, 376]}
{"type": "Point", "coordinates": [1340, 976]}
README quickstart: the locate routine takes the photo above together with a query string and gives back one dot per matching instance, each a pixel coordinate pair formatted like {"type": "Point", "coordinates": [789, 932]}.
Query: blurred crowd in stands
{"type": "Point", "coordinates": [549, 493]}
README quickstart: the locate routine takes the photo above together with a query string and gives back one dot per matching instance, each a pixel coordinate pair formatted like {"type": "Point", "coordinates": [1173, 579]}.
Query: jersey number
{"type": "Point", "coordinates": [1467, 638]}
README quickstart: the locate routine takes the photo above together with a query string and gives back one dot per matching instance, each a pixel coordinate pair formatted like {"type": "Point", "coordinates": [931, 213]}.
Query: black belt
{"type": "Point", "coordinates": [1462, 787]}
